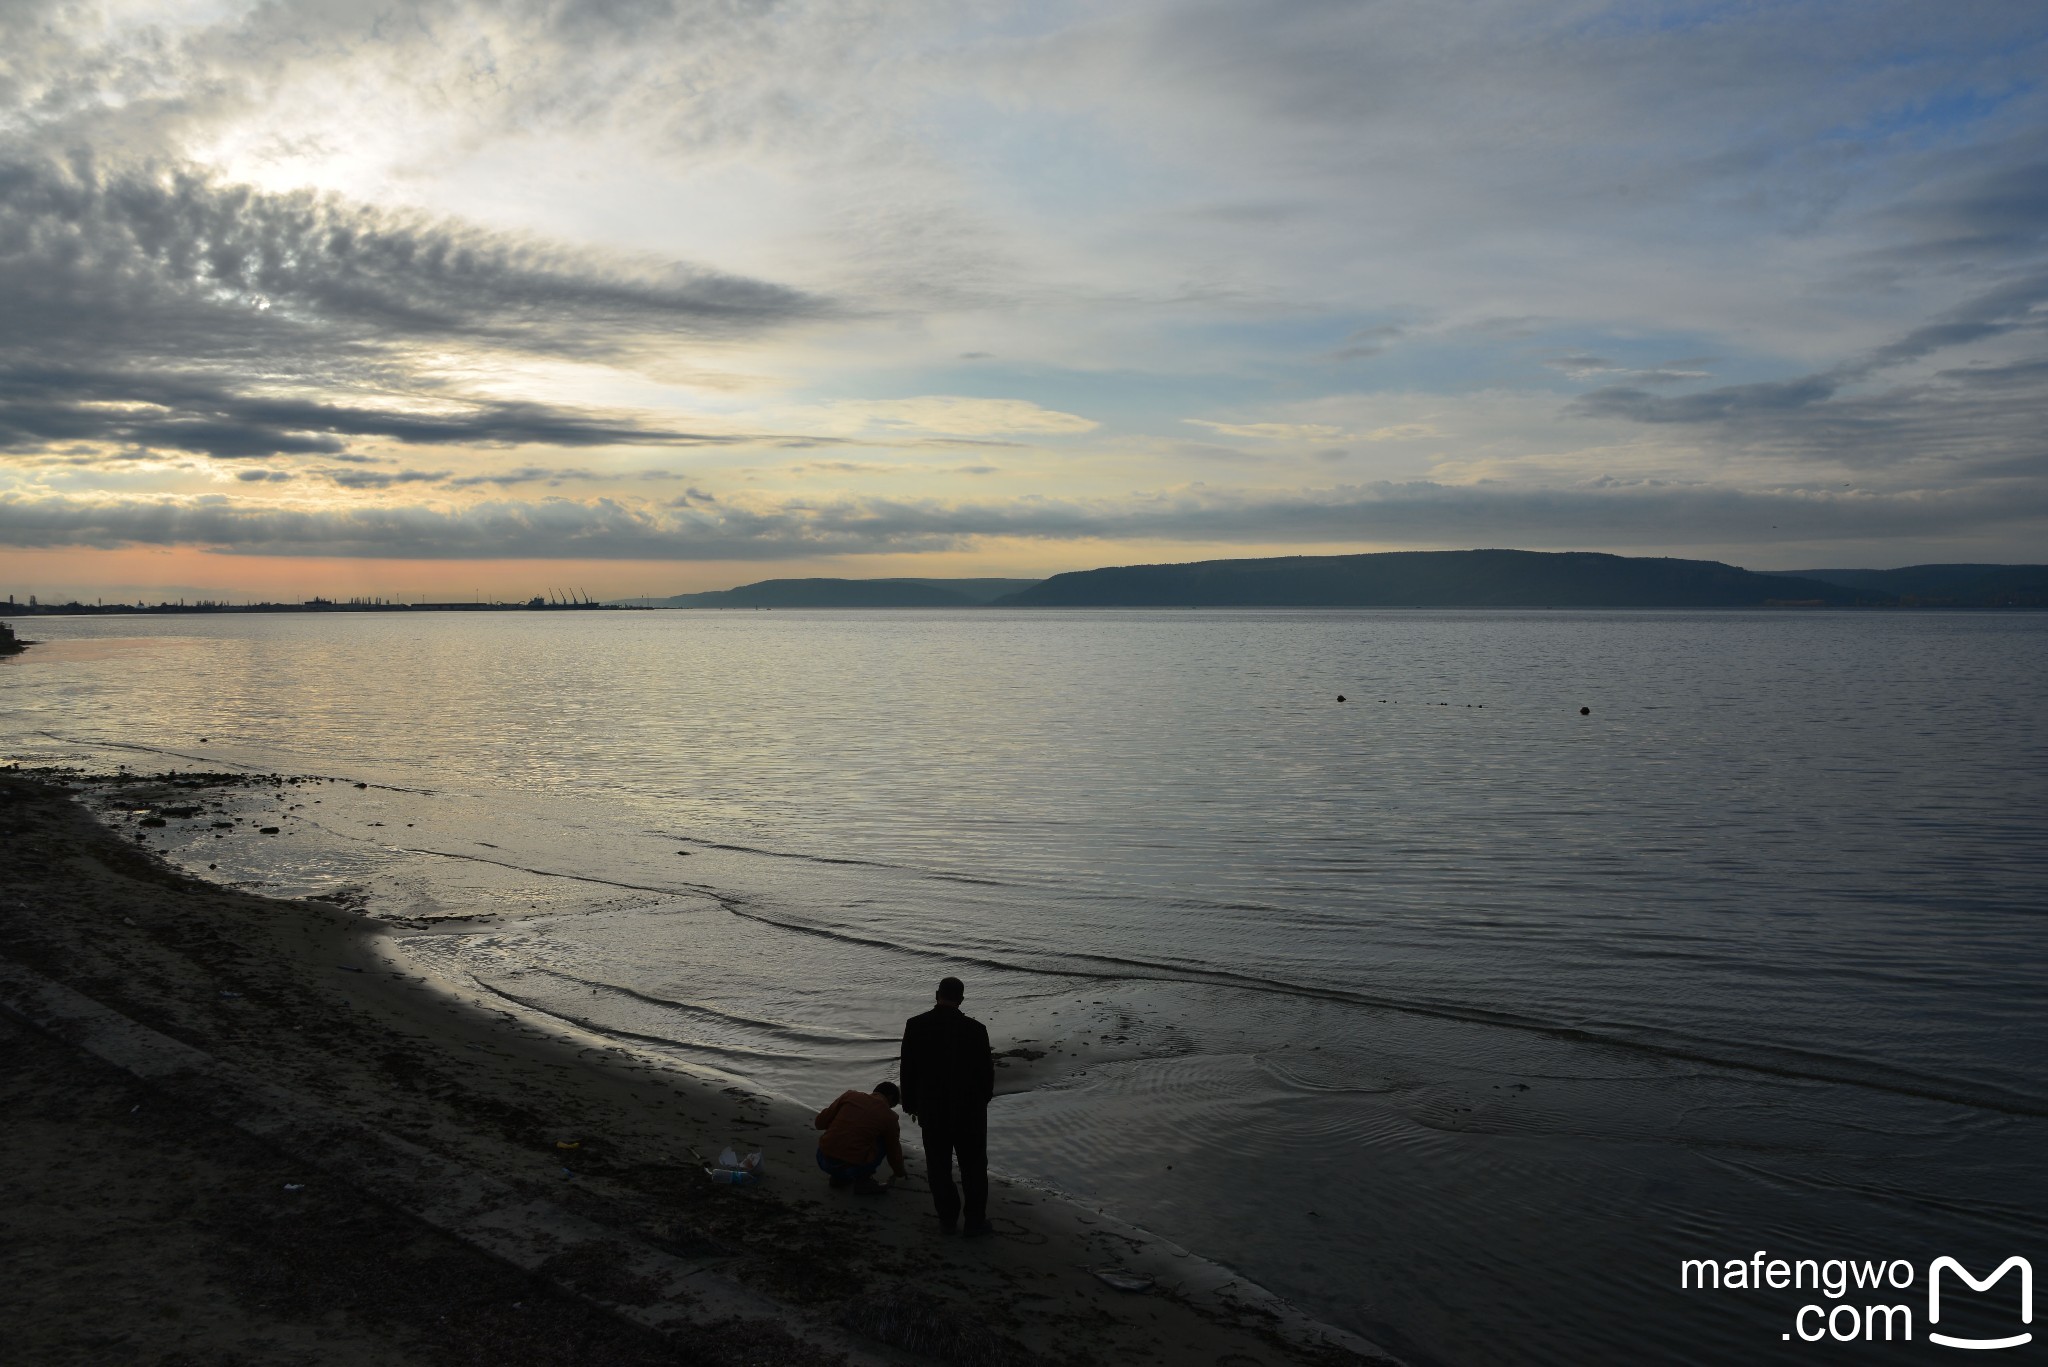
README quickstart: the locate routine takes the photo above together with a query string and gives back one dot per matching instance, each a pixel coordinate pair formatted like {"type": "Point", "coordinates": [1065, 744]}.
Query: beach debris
{"type": "Point", "coordinates": [268, 830]}
{"type": "Point", "coordinates": [362, 785]}
{"type": "Point", "coordinates": [733, 1170]}
{"type": "Point", "coordinates": [568, 1145]}
{"type": "Point", "coordinates": [231, 994]}
{"type": "Point", "coordinates": [348, 968]}
{"type": "Point", "coordinates": [731, 1177]}
{"type": "Point", "coordinates": [730, 1158]}
{"type": "Point", "coordinates": [1585, 711]}
{"type": "Point", "coordinates": [295, 1186]}
{"type": "Point", "coordinates": [1340, 697]}
{"type": "Point", "coordinates": [1121, 1280]}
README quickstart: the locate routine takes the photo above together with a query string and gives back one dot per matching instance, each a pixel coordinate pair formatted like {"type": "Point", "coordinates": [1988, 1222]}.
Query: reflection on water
{"type": "Point", "coordinates": [1444, 1008]}
{"type": "Point", "coordinates": [138, 651]}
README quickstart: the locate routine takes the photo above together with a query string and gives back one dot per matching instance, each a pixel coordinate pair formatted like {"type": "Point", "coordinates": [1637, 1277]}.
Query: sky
{"type": "Point", "coordinates": [628, 297]}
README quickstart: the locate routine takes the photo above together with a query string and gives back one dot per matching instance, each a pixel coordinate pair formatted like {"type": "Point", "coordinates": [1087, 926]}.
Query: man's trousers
{"type": "Point", "coordinates": [962, 1135]}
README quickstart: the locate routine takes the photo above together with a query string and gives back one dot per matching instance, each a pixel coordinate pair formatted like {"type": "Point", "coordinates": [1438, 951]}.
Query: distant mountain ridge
{"type": "Point", "coordinates": [1422, 579]}
{"type": "Point", "coordinates": [1447, 579]}
{"type": "Point", "coordinates": [848, 593]}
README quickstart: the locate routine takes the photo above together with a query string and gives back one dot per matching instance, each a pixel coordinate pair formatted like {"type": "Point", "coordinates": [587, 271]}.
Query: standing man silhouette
{"type": "Point", "coordinates": [948, 1076]}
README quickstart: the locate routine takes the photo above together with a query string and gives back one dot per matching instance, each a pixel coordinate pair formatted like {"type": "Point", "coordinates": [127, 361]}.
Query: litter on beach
{"type": "Point", "coordinates": [731, 1177]}
{"type": "Point", "coordinates": [733, 1170]}
{"type": "Point", "coordinates": [752, 1163]}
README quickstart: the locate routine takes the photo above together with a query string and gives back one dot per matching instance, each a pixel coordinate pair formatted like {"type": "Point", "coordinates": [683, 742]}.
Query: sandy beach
{"type": "Point", "coordinates": [148, 1221]}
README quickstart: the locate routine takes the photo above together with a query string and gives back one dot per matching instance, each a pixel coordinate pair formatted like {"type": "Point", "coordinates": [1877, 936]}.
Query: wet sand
{"type": "Point", "coordinates": [157, 1231]}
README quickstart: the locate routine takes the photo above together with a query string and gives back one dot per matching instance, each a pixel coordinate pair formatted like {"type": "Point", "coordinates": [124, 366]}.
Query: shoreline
{"type": "Point", "coordinates": [315, 999]}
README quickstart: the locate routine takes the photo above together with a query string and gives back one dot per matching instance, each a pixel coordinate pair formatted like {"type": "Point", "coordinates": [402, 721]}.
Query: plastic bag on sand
{"type": "Point", "coordinates": [752, 1163]}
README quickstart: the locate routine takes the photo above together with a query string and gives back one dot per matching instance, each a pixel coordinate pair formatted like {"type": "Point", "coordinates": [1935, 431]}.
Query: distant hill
{"type": "Point", "coordinates": [1962, 586]}
{"type": "Point", "coordinates": [848, 593]}
{"type": "Point", "coordinates": [1442, 579]}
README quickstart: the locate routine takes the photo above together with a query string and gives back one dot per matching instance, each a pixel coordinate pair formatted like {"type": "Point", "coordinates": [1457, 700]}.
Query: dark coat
{"type": "Point", "coordinates": [946, 1064]}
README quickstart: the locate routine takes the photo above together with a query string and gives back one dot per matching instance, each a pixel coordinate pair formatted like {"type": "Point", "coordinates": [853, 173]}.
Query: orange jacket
{"type": "Point", "coordinates": [855, 1124]}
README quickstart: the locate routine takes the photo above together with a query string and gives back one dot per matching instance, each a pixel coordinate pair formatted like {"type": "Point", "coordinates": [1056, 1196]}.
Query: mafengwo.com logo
{"type": "Point", "coordinates": [1868, 1300]}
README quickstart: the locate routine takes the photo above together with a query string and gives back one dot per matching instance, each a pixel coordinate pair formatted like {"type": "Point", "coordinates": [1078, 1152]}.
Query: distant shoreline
{"type": "Point", "coordinates": [229, 609]}
{"type": "Point", "coordinates": [1489, 579]}
{"type": "Point", "coordinates": [286, 609]}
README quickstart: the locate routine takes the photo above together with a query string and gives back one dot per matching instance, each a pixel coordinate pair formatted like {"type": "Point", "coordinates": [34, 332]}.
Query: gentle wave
{"type": "Point", "coordinates": [1775, 1060]}
{"type": "Point", "coordinates": [795, 1034]}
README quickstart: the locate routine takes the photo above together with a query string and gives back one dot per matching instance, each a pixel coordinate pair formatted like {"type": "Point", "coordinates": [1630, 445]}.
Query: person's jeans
{"type": "Point", "coordinates": [962, 1135]}
{"type": "Point", "coordinates": [839, 1167]}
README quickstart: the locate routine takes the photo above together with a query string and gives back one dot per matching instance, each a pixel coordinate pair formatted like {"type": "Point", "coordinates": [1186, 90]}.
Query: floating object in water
{"type": "Point", "coordinates": [1585, 711]}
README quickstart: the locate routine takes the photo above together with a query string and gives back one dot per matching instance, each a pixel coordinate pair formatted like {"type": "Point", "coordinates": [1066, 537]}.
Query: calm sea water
{"type": "Point", "coordinates": [1455, 1015]}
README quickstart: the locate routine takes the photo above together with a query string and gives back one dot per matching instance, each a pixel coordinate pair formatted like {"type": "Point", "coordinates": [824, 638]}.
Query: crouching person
{"type": "Point", "coordinates": [860, 1131]}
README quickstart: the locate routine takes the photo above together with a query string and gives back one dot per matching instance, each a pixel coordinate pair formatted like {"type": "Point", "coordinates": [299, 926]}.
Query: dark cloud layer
{"type": "Point", "coordinates": [41, 406]}
{"type": "Point", "coordinates": [155, 307]}
{"type": "Point", "coordinates": [1640, 514]}
{"type": "Point", "coordinates": [1972, 419]}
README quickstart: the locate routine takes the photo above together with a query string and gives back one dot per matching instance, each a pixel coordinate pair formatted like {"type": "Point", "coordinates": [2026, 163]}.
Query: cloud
{"type": "Point", "coordinates": [525, 474]}
{"type": "Point", "coordinates": [1314, 431]}
{"type": "Point", "coordinates": [1366, 343]}
{"type": "Point", "coordinates": [169, 258]}
{"type": "Point", "coordinates": [160, 308]}
{"type": "Point", "coordinates": [40, 406]}
{"type": "Point", "coordinates": [1728, 403]}
{"type": "Point", "coordinates": [1981, 212]}
{"type": "Point", "coordinates": [1401, 431]}
{"type": "Point", "coordinates": [957, 416]}
{"type": "Point", "coordinates": [1833, 199]}
{"type": "Point", "coordinates": [1581, 365]}
{"type": "Point", "coordinates": [1965, 417]}
{"type": "Point", "coordinates": [1272, 431]}
{"type": "Point", "coordinates": [382, 479]}
{"type": "Point", "coordinates": [1602, 512]}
